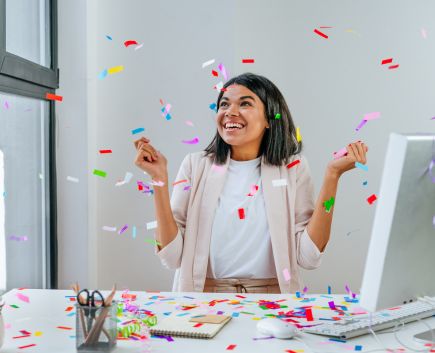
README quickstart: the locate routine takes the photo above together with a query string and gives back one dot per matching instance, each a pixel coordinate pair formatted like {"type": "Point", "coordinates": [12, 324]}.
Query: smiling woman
{"type": "Point", "coordinates": [249, 220]}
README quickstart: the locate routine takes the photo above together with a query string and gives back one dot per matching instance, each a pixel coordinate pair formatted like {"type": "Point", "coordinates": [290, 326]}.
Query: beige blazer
{"type": "Point", "coordinates": [288, 209]}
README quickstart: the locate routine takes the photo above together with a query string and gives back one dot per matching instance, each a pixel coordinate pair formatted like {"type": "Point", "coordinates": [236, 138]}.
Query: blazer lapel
{"type": "Point", "coordinates": [276, 211]}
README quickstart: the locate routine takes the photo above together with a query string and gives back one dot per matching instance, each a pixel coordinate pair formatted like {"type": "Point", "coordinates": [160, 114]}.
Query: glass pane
{"type": "Point", "coordinates": [28, 30]}
{"type": "Point", "coordinates": [23, 180]}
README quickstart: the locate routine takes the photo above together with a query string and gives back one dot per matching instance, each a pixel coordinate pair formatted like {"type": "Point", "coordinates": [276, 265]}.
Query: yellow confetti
{"type": "Point", "coordinates": [298, 135]}
{"type": "Point", "coordinates": [38, 333]}
{"type": "Point", "coordinates": [115, 69]}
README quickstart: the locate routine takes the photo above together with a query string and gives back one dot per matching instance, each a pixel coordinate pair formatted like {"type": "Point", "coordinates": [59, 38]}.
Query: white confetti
{"type": "Point", "coordinates": [207, 63]}
{"type": "Point", "coordinates": [109, 229]}
{"type": "Point", "coordinates": [152, 225]}
{"type": "Point", "coordinates": [74, 180]}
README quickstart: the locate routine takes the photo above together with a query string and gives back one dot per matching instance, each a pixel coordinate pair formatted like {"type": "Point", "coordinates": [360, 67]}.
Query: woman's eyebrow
{"type": "Point", "coordinates": [241, 98]}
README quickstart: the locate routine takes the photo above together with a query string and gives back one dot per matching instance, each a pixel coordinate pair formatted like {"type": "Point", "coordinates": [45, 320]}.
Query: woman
{"type": "Point", "coordinates": [249, 219]}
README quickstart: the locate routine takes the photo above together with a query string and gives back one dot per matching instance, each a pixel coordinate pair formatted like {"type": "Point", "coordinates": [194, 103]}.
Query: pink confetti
{"type": "Point", "coordinates": [194, 141]}
{"type": "Point", "coordinates": [340, 153]}
{"type": "Point", "coordinates": [371, 116]}
{"type": "Point", "coordinates": [223, 71]}
{"type": "Point", "coordinates": [361, 124]}
{"type": "Point", "coordinates": [286, 274]}
{"type": "Point", "coordinates": [188, 122]}
{"type": "Point", "coordinates": [332, 305]}
{"type": "Point", "coordinates": [217, 168]}
{"type": "Point", "coordinates": [423, 33]}
{"type": "Point", "coordinates": [123, 229]}
{"type": "Point", "coordinates": [23, 297]}
{"type": "Point", "coordinates": [6, 105]}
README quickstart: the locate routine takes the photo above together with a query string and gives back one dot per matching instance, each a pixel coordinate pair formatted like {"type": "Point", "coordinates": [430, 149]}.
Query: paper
{"type": "Point", "coordinates": [371, 116]}
{"type": "Point", "coordinates": [361, 124]}
{"type": "Point", "coordinates": [371, 199]}
{"type": "Point", "coordinates": [207, 63]}
{"type": "Point", "coordinates": [286, 274]}
{"type": "Point", "coordinates": [298, 135]}
{"type": "Point", "coordinates": [210, 319]}
{"type": "Point", "coordinates": [23, 298]}
{"type": "Point", "coordinates": [127, 43]}
{"type": "Point", "coordinates": [279, 182]}
{"type": "Point", "coordinates": [152, 225]}
{"type": "Point", "coordinates": [328, 204]}
{"type": "Point", "coordinates": [387, 61]}
{"type": "Point", "coordinates": [138, 46]}
{"type": "Point", "coordinates": [214, 73]}
{"type": "Point", "coordinates": [126, 180]}
{"type": "Point", "coordinates": [241, 213]}
{"type": "Point", "coordinates": [103, 74]}
{"type": "Point", "coordinates": [108, 37]}
{"type": "Point", "coordinates": [72, 179]}
{"type": "Point", "coordinates": [123, 229]}
{"type": "Point", "coordinates": [277, 116]}
{"type": "Point", "coordinates": [105, 151]}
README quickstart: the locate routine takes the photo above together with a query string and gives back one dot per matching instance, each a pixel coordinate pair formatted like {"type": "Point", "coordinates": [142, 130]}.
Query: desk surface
{"type": "Point", "coordinates": [46, 311]}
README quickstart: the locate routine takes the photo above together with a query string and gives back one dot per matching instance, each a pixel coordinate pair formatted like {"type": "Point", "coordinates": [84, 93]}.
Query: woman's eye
{"type": "Point", "coordinates": [246, 103]}
{"type": "Point", "coordinates": [222, 104]}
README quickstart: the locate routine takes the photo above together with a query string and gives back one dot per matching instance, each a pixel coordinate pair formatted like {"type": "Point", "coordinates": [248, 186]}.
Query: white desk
{"type": "Point", "coordinates": [46, 311]}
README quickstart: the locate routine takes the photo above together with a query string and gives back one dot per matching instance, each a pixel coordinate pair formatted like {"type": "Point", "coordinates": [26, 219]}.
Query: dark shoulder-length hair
{"type": "Point", "coordinates": [279, 141]}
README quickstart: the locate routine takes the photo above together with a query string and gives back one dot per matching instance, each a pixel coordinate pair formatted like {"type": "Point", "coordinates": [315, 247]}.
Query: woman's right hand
{"type": "Point", "coordinates": [150, 160]}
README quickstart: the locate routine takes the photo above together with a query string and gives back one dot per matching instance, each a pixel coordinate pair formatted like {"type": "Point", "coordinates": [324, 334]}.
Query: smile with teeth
{"type": "Point", "coordinates": [233, 126]}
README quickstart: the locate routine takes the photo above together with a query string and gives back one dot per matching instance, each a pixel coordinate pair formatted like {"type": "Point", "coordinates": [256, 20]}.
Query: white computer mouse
{"type": "Point", "coordinates": [276, 328]}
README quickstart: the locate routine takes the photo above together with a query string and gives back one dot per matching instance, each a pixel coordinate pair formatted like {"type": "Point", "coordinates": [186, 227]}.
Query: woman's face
{"type": "Point", "coordinates": [241, 119]}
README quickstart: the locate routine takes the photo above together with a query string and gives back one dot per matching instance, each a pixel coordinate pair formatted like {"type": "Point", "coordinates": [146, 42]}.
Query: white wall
{"type": "Point", "coordinates": [328, 84]}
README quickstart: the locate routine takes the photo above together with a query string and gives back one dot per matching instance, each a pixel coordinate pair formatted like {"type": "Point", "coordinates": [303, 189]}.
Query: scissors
{"type": "Point", "coordinates": [90, 300]}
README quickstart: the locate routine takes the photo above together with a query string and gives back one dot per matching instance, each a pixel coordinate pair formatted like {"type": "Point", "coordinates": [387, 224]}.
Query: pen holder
{"type": "Point", "coordinates": [96, 328]}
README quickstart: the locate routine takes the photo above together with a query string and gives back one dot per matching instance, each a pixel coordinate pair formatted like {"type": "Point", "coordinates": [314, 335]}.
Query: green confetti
{"type": "Point", "coordinates": [14, 306]}
{"type": "Point", "coordinates": [153, 241]}
{"type": "Point", "coordinates": [278, 116]}
{"type": "Point", "coordinates": [328, 204]}
{"type": "Point", "coordinates": [100, 173]}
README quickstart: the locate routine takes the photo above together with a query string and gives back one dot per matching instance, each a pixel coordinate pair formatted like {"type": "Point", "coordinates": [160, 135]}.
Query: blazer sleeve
{"type": "Point", "coordinates": [308, 255]}
{"type": "Point", "coordinates": [170, 255]}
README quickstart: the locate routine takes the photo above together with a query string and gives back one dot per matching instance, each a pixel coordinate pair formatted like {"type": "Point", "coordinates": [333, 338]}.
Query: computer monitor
{"type": "Point", "coordinates": [400, 265]}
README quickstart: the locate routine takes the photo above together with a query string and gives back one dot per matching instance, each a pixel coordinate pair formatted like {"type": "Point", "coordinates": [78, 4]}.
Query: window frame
{"type": "Point", "coordinates": [22, 77]}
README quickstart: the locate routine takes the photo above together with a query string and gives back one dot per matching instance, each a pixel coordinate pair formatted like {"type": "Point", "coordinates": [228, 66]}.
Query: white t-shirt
{"type": "Point", "coordinates": [241, 248]}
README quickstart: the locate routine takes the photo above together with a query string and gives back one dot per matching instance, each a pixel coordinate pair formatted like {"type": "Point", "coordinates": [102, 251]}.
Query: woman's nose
{"type": "Point", "coordinates": [232, 111]}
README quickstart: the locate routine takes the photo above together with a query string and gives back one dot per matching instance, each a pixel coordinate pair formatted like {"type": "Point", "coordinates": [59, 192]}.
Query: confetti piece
{"type": "Point", "coordinates": [152, 225]}
{"type": "Point", "coordinates": [213, 106]}
{"type": "Point", "coordinates": [133, 232]}
{"type": "Point", "coordinates": [123, 229]}
{"type": "Point", "coordinates": [100, 173]}
{"type": "Point", "coordinates": [38, 333]}
{"type": "Point", "coordinates": [69, 308]}
{"type": "Point", "coordinates": [138, 46]}
{"type": "Point", "coordinates": [309, 314]}
{"type": "Point", "coordinates": [241, 213]}
{"type": "Point", "coordinates": [358, 348]}
{"type": "Point", "coordinates": [372, 116]}
{"type": "Point", "coordinates": [393, 67]}
{"type": "Point", "coordinates": [157, 183]}
{"type": "Point", "coordinates": [109, 229]}
{"type": "Point", "coordinates": [21, 238]}
{"type": "Point", "coordinates": [53, 97]}
{"type": "Point", "coordinates": [361, 166]}
{"type": "Point", "coordinates": [279, 182]}
{"type": "Point", "coordinates": [340, 153]}
{"type": "Point", "coordinates": [103, 74]}
{"type": "Point", "coordinates": [365, 183]}
{"type": "Point", "coordinates": [6, 105]}
{"type": "Point", "coordinates": [328, 204]}
{"type": "Point", "coordinates": [371, 199]}
{"type": "Point", "coordinates": [137, 131]}
{"type": "Point", "coordinates": [277, 116]}
{"type": "Point", "coordinates": [27, 346]}
{"type": "Point", "coordinates": [127, 43]}
{"type": "Point", "coordinates": [254, 189]}
{"type": "Point", "coordinates": [108, 37]}
{"type": "Point", "coordinates": [188, 122]}
{"type": "Point", "coordinates": [194, 141]}
{"type": "Point", "coordinates": [64, 327]}
{"type": "Point", "coordinates": [23, 298]}
{"type": "Point", "coordinates": [231, 347]}
{"type": "Point", "coordinates": [286, 274]}
{"type": "Point", "coordinates": [207, 63]}
{"type": "Point", "coordinates": [292, 164]}
{"type": "Point", "coordinates": [72, 179]}
{"type": "Point", "coordinates": [332, 305]}
{"type": "Point", "coordinates": [179, 182]}
{"type": "Point", "coordinates": [387, 61]}
{"type": "Point", "coordinates": [219, 86]}
{"type": "Point", "coordinates": [214, 73]}
{"type": "Point", "coordinates": [423, 33]}
{"type": "Point", "coordinates": [153, 241]}
{"type": "Point", "coordinates": [223, 71]}
{"type": "Point", "coordinates": [361, 124]}
{"type": "Point", "coordinates": [105, 151]}
{"type": "Point", "coordinates": [329, 289]}
{"type": "Point", "coordinates": [298, 135]}
{"type": "Point", "coordinates": [115, 69]}
{"type": "Point", "coordinates": [320, 33]}
{"type": "Point", "coordinates": [247, 61]}
{"type": "Point", "coordinates": [126, 180]}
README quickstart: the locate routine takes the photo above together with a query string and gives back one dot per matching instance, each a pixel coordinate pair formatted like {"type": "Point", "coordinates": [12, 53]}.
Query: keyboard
{"type": "Point", "coordinates": [353, 326]}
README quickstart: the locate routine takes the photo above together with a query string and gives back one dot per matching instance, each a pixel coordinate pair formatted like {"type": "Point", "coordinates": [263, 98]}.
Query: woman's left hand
{"type": "Point", "coordinates": [356, 152]}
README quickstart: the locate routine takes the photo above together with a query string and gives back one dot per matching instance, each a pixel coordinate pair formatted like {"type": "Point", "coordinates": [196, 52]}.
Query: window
{"type": "Point", "coordinates": [28, 71]}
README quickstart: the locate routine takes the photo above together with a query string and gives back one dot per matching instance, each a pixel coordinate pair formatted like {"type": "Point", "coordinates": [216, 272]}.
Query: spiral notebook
{"type": "Point", "coordinates": [204, 326]}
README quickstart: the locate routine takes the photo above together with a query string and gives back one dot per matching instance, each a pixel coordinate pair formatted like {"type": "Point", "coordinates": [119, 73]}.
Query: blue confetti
{"type": "Point", "coordinates": [102, 74]}
{"type": "Point", "coordinates": [361, 166]}
{"type": "Point", "coordinates": [134, 232]}
{"type": "Point", "coordinates": [365, 183]}
{"type": "Point", "coordinates": [138, 130]}
{"type": "Point", "coordinates": [329, 289]}
{"type": "Point", "coordinates": [213, 107]}
{"type": "Point", "coordinates": [235, 314]}
{"type": "Point", "coordinates": [108, 37]}
{"type": "Point", "coordinates": [358, 348]}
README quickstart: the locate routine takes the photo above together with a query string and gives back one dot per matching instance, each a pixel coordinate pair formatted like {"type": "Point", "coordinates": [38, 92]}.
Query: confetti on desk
{"type": "Point", "coordinates": [22, 297]}
{"type": "Point", "coordinates": [53, 97]}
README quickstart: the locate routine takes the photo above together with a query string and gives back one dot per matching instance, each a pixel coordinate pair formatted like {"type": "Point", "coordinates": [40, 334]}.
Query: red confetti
{"type": "Point", "coordinates": [139, 187]}
{"type": "Point", "coordinates": [69, 308]}
{"type": "Point", "coordinates": [247, 61]}
{"type": "Point", "coordinates": [128, 296]}
{"type": "Point", "coordinates": [240, 296]}
{"type": "Point", "coordinates": [393, 66]}
{"type": "Point", "coordinates": [241, 213]}
{"type": "Point", "coordinates": [320, 33]}
{"type": "Point", "coordinates": [24, 332]}
{"type": "Point", "coordinates": [309, 314]}
{"type": "Point", "coordinates": [179, 182]}
{"type": "Point", "coordinates": [199, 324]}
{"type": "Point", "coordinates": [64, 327]}
{"type": "Point", "coordinates": [53, 97]}
{"type": "Point", "coordinates": [105, 151]}
{"type": "Point", "coordinates": [214, 73]}
{"type": "Point", "coordinates": [72, 299]}
{"type": "Point", "coordinates": [130, 42]}
{"type": "Point", "coordinates": [387, 61]}
{"type": "Point", "coordinates": [231, 347]}
{"type": "Point", "coordinates": [292, 164]}
{"type": "Point", "coordinates": [24, 336]}
{"type": "Point", "coordinates": [28, 346]}
{"type": "Point", "coordinates": [371, 199]}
